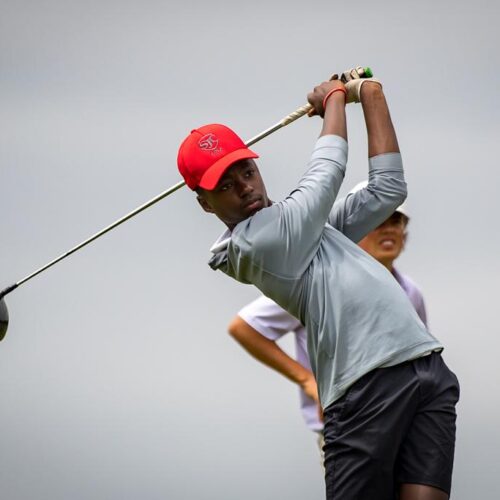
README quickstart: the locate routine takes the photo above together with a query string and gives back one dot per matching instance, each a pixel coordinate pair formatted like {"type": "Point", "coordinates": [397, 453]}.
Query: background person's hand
{"type": "Point", "coordinates": [310, 387]}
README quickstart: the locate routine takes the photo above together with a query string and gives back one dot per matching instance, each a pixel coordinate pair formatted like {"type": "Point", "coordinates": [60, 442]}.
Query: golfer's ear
{"type": "Point", "coordinates": [204, 204]}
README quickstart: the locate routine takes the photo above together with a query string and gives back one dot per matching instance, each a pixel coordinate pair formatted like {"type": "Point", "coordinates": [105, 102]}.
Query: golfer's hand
{"type": "Point", "coordinates": [317, 96]}
{"type": "Point", "coordinates": [354, 79]}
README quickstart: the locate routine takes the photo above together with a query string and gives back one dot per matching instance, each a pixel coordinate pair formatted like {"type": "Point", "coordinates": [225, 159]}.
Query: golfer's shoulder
{"type": "Point", "coordinates": [253, 228]}
{"type": "Point", "coordinates": [260, 230]}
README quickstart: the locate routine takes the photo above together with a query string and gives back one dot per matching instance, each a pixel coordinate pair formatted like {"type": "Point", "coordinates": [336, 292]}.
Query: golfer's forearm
{"type": "Point", "coordinates": [319, 186]}
{"type": "Point", "coordinates": [334, 121]}
{"type": "Point", "coordinates": [267, 352]}
{"type": "Point", "coordinates": [381, 134]}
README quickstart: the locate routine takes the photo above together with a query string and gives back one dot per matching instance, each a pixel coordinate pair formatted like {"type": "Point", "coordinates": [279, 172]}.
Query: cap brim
{"type": "Point", "coordinates": [212, 176]}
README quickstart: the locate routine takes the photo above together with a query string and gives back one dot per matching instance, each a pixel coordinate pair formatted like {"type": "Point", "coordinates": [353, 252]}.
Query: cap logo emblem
{"type": "Point", "coordinates": [208, 142]}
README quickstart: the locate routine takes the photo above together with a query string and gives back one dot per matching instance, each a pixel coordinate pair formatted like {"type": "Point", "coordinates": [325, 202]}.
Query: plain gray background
{"type": "Point", "coordinates": [117, 378]}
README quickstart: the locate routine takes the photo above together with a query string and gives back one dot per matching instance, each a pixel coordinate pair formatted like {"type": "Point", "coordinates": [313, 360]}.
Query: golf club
{"type": "Point", "coordinates": [4, 314]}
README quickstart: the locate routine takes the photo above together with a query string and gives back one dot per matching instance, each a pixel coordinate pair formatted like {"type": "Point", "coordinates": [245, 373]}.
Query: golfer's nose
{"type": "Point", "coordinates": [245, 187]}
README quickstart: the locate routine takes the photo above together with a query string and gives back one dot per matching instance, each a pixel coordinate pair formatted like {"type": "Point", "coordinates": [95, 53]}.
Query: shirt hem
{"type": "Point", "coordinates": [393, 359]}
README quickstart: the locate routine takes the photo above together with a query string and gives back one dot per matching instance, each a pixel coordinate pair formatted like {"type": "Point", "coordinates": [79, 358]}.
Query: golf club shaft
{"type": "Point", "coordinates": [282, 123]}
{"type": "Point", "coordinates": [303, 110]}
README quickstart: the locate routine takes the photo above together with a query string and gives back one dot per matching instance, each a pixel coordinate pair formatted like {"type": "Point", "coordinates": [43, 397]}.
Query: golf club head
{"type": "Point", "coordinates": [4, 319]}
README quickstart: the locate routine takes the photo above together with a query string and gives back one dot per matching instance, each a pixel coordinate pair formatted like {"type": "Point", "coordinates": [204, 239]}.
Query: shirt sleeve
{"type": "Point", "coordinates": [359, 213]}
{"type": "Point", "coordinates": [283, 238]}
{"type": "Point", "coordinates": [268, 318]}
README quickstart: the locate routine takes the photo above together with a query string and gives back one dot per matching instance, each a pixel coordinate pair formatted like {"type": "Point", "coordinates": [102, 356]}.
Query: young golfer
{"type": "Point", "coordinates": [388, 398]}
{"type": "Point", "coordinates": [261, 323]}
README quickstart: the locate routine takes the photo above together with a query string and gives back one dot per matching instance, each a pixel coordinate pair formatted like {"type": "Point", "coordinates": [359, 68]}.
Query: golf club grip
{"type": "Point", "coordinates": [282, 123]}
{"type": "Point", "coordinates": [303, 110]}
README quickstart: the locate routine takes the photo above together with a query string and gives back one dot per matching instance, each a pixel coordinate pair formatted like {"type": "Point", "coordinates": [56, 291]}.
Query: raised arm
{"type": "Point", "coordinates": [361, 212]}
{"type": "Point", "coordinates": [284, 238]}
{"type": "Point", "coordinates": [328, 100]}
{"type": "Point", "coordinates": [381, 134]}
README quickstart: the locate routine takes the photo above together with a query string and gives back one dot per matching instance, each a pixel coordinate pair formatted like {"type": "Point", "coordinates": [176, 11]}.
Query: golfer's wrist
{"type": "Point", "coordinates": [338, 94]}
{"type": "Point", "coordinates": [370, 90]}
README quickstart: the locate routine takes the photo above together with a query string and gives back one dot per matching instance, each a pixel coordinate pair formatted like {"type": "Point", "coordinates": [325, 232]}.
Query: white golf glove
{"type": "Point", "coordinates": [353, 80]}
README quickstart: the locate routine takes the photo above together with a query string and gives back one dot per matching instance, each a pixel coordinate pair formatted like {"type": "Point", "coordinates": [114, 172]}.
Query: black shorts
{"type": "Point", "coordinates": [394, 425]}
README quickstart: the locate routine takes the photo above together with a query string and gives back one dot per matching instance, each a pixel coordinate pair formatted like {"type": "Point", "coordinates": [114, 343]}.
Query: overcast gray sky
{"type": "Point", "coordinates": [117, 378]}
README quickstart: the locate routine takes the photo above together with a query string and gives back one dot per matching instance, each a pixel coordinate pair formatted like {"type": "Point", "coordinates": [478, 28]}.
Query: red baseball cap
{"type": "Point", "coordinates": [207, 152]}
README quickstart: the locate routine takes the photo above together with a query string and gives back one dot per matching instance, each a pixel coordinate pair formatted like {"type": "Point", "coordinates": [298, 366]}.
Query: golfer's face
{"type": "Point", "coordinates": [238, 195]}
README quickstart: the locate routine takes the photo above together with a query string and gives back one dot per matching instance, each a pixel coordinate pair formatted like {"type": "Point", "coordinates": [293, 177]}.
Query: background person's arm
{"type": "Point", "coordinates": [270, 354]}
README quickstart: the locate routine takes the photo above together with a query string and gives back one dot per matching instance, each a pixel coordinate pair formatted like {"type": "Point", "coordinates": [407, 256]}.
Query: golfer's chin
{"type": "Point", "coordinates": [253, 208]}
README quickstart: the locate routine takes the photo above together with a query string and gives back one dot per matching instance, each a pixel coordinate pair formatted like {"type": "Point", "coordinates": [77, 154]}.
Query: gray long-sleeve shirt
{"type": "Point", "coordinates": [356, 314]}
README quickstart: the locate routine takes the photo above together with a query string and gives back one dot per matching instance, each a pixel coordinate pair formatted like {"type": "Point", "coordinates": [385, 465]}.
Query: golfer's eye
{"type": "Point", "coordinates": [225, 186]}
{"type": "Point", "coordinates": [249, 172]}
